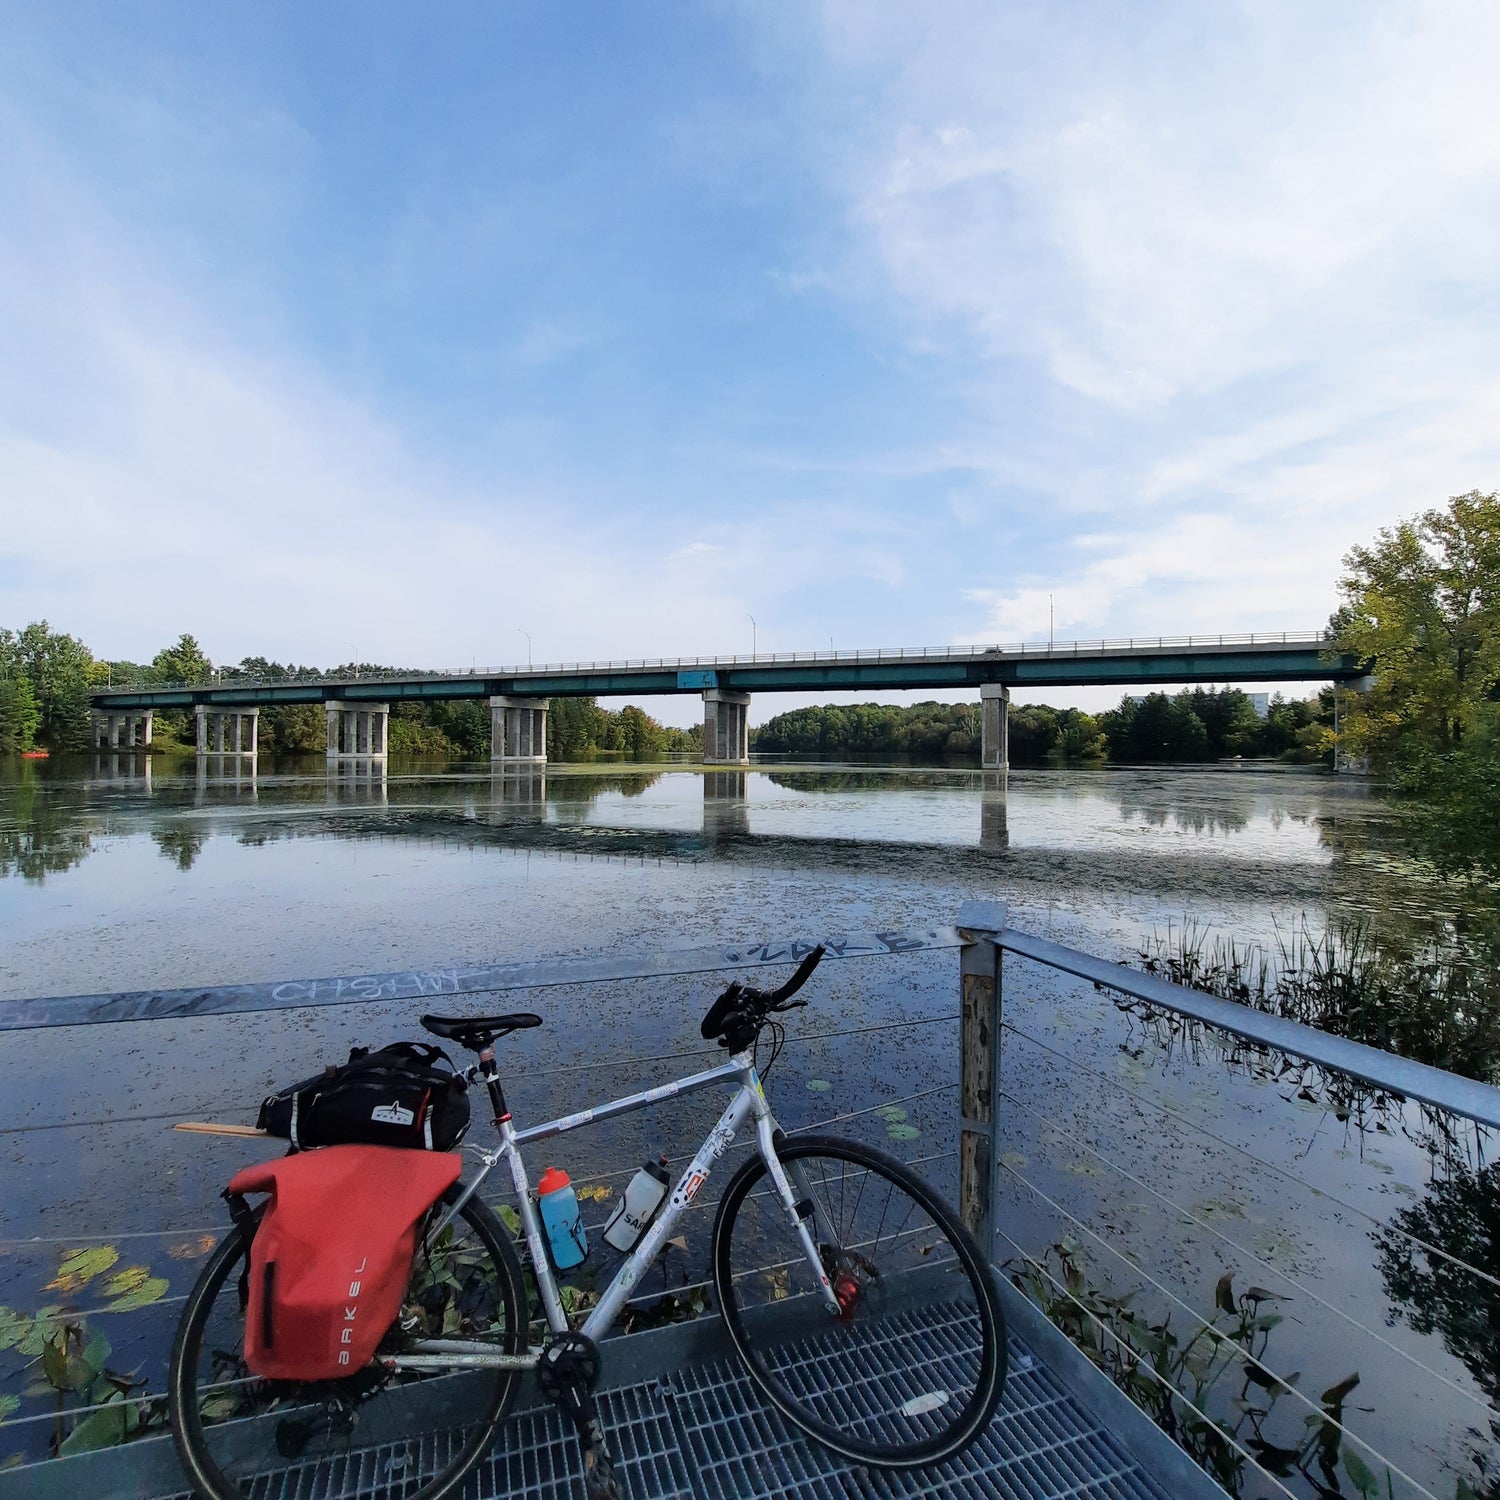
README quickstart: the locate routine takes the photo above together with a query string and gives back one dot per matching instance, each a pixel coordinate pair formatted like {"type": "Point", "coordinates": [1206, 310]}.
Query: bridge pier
{"type": "Point", "coordinates": [726, 728]}
{"type": "Point", "coordinates": [518, 796]}
{"type": "Point", "coordinates": [994, 726]}
{"type": "Point", "coordinates": [518, 731]}
{"type": "Point", "coordinates": [226, 778]}
{"type": "Point", "coordinates": [227, 731]}
{"type": "Point", "coordinates": [130, 730]}
{"type": "Point", "coordinates": [726, 814]}
{"type": "Point", "coordinates": [357, 731]}
{"type": "Point", "coordinates": [356, 779]}
{"type": "Point", "coordinates": [994, 826]}
{"type": "Point", "coordinates": [1345, 764]}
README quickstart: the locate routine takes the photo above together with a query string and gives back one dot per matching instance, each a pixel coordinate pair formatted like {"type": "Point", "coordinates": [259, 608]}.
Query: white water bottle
{"type": "Point", "coordinates": [637, 1208]}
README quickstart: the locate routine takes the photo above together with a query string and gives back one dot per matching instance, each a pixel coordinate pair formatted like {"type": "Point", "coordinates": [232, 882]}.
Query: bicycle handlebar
{"type": "Point", "coordinates": [739, 996]}
{"type": "Point", "coordinates": [795, 983]}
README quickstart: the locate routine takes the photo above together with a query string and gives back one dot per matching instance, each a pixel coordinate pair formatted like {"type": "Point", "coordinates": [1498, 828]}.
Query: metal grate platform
{"type": "Point", "coordinates": [704, 1433]}
{"type": "Point", "coordinates": [685, 1423]}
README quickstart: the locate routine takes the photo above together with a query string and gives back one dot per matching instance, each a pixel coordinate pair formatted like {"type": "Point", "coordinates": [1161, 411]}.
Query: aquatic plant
{"type": "Point", "coordinates": [1176, 1378]}
{"type": "Point", "coordinates": [67, 1358]}
{"type": "Point", "coordinates": [1436, 1001]}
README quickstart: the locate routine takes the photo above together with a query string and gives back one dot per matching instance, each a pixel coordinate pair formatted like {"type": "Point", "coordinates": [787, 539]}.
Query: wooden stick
{"type": "Point", "coordinates": [208, 1127]}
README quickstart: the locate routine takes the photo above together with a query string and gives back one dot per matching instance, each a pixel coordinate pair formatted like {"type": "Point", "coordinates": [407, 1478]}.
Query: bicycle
{"type": "Point", "coordinates": [818, 1248]}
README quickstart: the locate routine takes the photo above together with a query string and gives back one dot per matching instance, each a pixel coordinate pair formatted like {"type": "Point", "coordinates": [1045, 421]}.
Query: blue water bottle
{"type": "Point", "coordinates": [562, 1219]}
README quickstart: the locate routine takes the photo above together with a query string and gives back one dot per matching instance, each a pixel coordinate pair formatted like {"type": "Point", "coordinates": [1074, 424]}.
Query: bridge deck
{"type": "Point", "coordinates": [1287, 656]}
{"type": "Point", "coordinates": [684, 1421]}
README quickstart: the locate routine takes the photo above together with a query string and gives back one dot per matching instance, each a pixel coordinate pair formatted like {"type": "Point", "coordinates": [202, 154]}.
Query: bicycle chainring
{"type": "Point", "coordinates": [569, 1364]}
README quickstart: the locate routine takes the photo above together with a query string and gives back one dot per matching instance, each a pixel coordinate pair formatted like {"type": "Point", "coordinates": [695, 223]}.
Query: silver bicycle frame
{"type": "Point", "coordinates": [749, 1100]}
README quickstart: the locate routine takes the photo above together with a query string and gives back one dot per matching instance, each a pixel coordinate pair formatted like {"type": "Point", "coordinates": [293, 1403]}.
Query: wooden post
{"type": "Point", "coordinates": [980, 924]}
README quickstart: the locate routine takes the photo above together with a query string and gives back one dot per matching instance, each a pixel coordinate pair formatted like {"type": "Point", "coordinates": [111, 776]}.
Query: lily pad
{"type": "Point", "coordinates": [892, 1114]}
{"type": "Point", "coordinates": [152, 1289]}
{"type": "Point", "coordinates": [128, 1280]}
{"type": "Point", "coordinates": [100, 1429]}
{"type": "Point", "coordinates": [818, 1085]}
{"type": "Point", "coordinates": [9, 1406]}
{"type": "Point", "coordinates": [192, 1249]}
{"type": "Point", "coordinates": [14, 1327]}
{"type": "Point", "coordinates": [902, 1132]}
{"type": "Point", "coordinates": [79, 1267]}
{"type": "Point", "coordinates": [1082, 1168]}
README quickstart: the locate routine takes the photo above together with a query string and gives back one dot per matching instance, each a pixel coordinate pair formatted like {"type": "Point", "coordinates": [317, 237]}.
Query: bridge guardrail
{"type": "Point", "coordinates": [1124, 645]}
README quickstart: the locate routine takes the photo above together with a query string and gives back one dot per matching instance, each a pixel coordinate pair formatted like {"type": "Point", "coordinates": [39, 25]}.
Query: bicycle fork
{"type": "Point", "coordinates": [805, 1215]}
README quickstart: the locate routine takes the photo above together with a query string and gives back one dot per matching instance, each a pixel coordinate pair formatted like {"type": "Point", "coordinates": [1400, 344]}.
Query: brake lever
{"type": "Point", "coordinates": [791, 1005]}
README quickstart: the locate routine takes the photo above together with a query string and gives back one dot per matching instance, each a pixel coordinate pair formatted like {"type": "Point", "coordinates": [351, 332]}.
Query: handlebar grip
{"type": "Point", "coordinates": [795, 983]}
{"type": "Point", "coordinates": [713, 1022]}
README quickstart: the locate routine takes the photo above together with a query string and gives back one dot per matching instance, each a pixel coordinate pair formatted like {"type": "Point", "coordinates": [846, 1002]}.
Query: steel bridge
{"type": "Point", "coordinates": [358, 704]}
{"type": "Point", "coordinates": [1287, 656]}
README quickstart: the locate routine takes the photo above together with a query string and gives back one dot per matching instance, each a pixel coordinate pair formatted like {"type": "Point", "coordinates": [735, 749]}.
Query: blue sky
{"type": "Point", "coordinates": [403, 330]}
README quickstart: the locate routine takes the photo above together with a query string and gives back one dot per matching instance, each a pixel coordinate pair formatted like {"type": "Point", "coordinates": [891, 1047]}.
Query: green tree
{"type": "Point", "coordinates": [1155, 728]}
{"type": "Point", "coordinates": [19, 715]}
{"type": "Point", "coordinates": [1423, 605]}
{"type": "Point", "coordinates": [60, 670]}
{"type": "Point", "coordinates": [640, 734]}
{"type": "Point", "coordinates": [183, 662]}
{"type": "Point", "coordinates": [294, 729]}
{"type": "Point", "coordinates": [1079, 737]}
{"type": "Point", "coordinates": [1228, 717]}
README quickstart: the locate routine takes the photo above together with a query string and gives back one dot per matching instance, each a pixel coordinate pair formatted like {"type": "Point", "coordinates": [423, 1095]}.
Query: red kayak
{"type": "Point", "coordinates": [34, 754]}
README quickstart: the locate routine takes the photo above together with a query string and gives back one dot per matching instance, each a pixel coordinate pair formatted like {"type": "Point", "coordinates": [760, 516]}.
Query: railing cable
{"type": "Point", "coordinates": [1145, 1367]}
{"type": "Point", "coordinates": [1249, 1254]}
{"type": "Point", "coordinates": [1235, 1351]}
{"type": "Point", "coordinates": [1259, 1161]}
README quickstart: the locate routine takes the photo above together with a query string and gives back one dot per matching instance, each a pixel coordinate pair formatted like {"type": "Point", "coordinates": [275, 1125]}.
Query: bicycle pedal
{"type": "Point", "coordinates": [599, 1482]}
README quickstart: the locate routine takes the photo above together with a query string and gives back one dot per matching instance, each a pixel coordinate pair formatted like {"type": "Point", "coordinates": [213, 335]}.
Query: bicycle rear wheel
{"type": "Point", "coordinates": [375, 1435]}
{"type": "Point", "coordinates": [912, 1369]}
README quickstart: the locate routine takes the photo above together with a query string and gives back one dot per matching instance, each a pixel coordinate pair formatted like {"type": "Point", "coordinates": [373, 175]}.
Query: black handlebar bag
{"type": "Point", "coordinates": [407, 1094]}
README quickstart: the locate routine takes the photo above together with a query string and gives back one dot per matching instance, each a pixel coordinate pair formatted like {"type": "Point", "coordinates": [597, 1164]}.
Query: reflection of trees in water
{"type": "Point", "coordinates": [1157, 805]}
{"type": "Point", "coordinates": [40, 834]}
{"type": "Point", "coordinates": [1458, 1220]}
{"type": "Point", "coordinates": [582, 792]}
{"type": "Point", "coordinates": [844, 781]}
{"type": "Point", "coordinates": [180, 845]}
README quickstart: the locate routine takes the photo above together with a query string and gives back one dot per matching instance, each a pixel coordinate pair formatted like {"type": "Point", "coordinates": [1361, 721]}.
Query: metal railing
{"type": "Point", "coordinates": [1032, 650]}
{"type": "Point", "coordinates": [987, 939]}
{"type": "Point", "coordinates": [452, 983]}
{"type": "Point", "coordinates": [983, 938]}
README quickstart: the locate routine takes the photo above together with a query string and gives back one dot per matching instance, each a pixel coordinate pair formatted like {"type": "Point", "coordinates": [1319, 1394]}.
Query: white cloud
{"type": "Point", "coordinates": [171, 461]}
{"type": "Point", "coordinates": [1233, 262]}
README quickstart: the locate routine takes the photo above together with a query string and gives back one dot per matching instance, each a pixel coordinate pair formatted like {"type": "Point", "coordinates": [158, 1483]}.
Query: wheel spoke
{"type": "Point", "coordinates": [911, 1369]}
{"type": "Point", "coordinates": [377, 1434]}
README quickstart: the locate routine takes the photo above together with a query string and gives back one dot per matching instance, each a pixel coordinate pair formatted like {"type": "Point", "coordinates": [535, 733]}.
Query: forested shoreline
{"type": "Point", "coordinates": [47, 677]}
{"type": "Point", "coordinates": [1422, 603]}
{"type": "Point", "coordinates": [1196, 725]}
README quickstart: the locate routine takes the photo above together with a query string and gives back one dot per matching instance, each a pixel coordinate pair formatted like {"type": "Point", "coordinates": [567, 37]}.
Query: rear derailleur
{"type": "Point", "coordinates": [566, 1374]}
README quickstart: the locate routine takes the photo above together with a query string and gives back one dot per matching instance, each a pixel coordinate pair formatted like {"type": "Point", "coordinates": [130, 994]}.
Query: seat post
{"type": "Point", "coordinates": [489, 1070]}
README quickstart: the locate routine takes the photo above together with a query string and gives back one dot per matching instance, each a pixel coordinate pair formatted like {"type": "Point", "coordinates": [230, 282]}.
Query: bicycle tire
{"type": "Point", "coordinates": [848, 1381]}
{"type": "Point", "coordinates": [233, 1435]}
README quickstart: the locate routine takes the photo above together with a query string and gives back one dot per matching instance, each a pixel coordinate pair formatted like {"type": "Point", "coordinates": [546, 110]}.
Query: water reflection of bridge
{"type": "Point", "coordinates": [575, 815]}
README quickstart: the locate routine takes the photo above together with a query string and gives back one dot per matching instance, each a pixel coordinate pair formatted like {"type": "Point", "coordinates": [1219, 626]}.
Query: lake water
{"type": "Point", "coordinates": [1167, 1165]}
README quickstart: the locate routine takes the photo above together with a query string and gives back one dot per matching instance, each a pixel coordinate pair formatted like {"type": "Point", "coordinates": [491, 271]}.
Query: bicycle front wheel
{"type": "Point", "coordinates": [911, 1368]}
{"type": "Point", "coordinates": [376, 1434]}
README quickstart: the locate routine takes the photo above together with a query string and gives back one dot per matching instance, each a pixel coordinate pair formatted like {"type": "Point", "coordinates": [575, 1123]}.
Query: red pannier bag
{"type": "Point", "coordinates": [333, 1253]}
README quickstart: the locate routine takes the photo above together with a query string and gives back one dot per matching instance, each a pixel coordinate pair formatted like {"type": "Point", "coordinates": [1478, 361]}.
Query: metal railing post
{"type": "Point", "coordinates": [980, 924]}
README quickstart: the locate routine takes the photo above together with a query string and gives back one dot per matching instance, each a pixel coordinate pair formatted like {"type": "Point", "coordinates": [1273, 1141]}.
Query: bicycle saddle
{"type": "Point", "coordinates": [477, 1032]}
